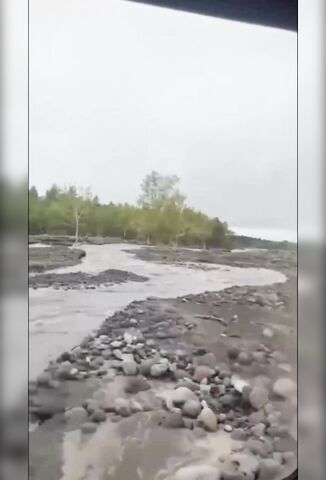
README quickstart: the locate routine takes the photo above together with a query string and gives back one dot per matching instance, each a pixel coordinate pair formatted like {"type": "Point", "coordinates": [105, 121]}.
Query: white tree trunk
{"type": "Point", "coordinates": [77, 229]}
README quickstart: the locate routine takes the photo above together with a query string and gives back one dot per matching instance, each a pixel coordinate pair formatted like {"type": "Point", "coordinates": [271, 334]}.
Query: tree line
{"type": "Point", "coordinates": [161, 216]}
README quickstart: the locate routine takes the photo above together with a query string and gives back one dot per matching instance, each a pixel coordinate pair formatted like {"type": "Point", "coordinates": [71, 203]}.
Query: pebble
{"type": "Point", "coordinates": [76, 415]}
{"type": "Point", "coordinates": [258, 397]}
{"type": "Point", "coordinates": [129, 367]}
{"type": "Point", "coordinates": [269, 469]}
{"type": "Point", "coordinates": [202, 372]}
{"type": "Point", "coordinates": [136, 406]}
{"type": "Point", "coordinates": [258, 430]}
{"type": "Point", "coordinates": [191, 408]}
{"type": "Point", "coordinates": [257, 417]}
{"type": "Point", "coordinates": [173, 420]}
{"type": "Point", "coordinates": [268, 333]}
{"type": "Point", "coordinates": [98, 416]}
{"type": "Point", "coordinates": [106, 354]}
{"type": "Point", "coordinates": [239, 466]}
{"type": "Point", "coordinates": [228, 428]}
{"type": "Point", "coordinates": [136, 384]}
{"type": "Point", "coordinates": [181, 395]}
{"type": "Point", "coordinates": [43, 379]}
{"type": "Point", "coordinates": [180, 374]}
{"type": "Point", "coordinates": [239, 434]}
{"type": "Point", "coordinates": [233, 353]}
{"type": "Point", "coordinates": [244, 358]}
{"type": "Point", "coordinates": [145, 366]}
{"type": "Point", "coordinates": [91, 405]}
{"type": "Point", "coordinates": [88, 427]}
{"type": "Point", "coordinates": [257, 447]}
{"type": "Point", "coordinates": [227, 400]}
{"type": "Point", "coordinates": [207, 419]}
{"type": "Point", "coordinates": [159, 369]}
{"type": "Point", "coordinates": [117, 354]}
{"type": "Point", "coordinates": [207, 360]}
{"type": "Point", "coordinates": [198, 472]}
{"type": "Point", "coordinates": [122, 407]}
{"type": "Point", "coordinates": [284, 387]}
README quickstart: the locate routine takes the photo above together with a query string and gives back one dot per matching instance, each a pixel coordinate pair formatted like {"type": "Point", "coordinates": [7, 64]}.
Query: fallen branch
{"type": "Point", "coordinates": [212, 317]}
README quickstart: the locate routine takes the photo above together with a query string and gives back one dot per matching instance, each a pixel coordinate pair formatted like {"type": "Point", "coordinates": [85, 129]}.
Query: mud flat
{"type": "Point", "coordinates": [199, 386]}
{"type": "Point", "coordinates": [77, 280]}
{"type": "Point", "coordinates": [43, 258]}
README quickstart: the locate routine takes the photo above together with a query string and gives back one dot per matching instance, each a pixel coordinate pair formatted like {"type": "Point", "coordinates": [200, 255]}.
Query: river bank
{"type": "Point", "coordinates": [118, 384]}
{"type": "Point", "coordinates": [46, 257]}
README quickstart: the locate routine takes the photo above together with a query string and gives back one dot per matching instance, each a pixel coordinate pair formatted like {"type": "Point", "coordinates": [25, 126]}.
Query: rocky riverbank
{"type": "Point", "coordinates": [206, 381]}
{"type": "Point", "coordinates": [51, 257]}
{"type": "Point", "coordinates": [282, 260]}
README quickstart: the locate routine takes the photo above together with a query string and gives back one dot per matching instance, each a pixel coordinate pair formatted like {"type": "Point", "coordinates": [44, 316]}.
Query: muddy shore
{"type": "Point", "coordinates": [229, 349]}
{"type": "Point", "coordinates": [52, 257]}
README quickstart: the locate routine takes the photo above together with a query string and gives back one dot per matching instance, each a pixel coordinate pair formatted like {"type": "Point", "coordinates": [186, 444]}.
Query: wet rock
{"type": "Point", "coordinates": [76, 415]}
{"type": "Point", "coordinates": [256, 417]}
{"type": "Point", "coordinates": [258, 447]}
{"type": "Point", "coordinates": [91, 405]}
{"type": "Point", "coordinates": [172, 420]}
{"type": "Point", "coordinates": [228, 428]}
{"type": "Point", "coordinates": [191, 408]}
{"type": "Point", "coordinates": [289, 458]}
{"type": "Point", "coordinates": [208, 360]}
{"type": "Point", "coordinates": [88, 427]}
{"type": "Point", "coordinates": [43, 379]}
{"type": "Point", "coordinates": [187, 382]}
{"type": "Point", "coordinates": [238, 383]}
{"type": "Point", "coordinates": [180, 374]}
{"type": "Point", "coordinates": [269, 469]}
{"type": "Point", "coordinates": [284, 387]}
{"type": "Point", "coordinates": [202, 372]}
{"type": "Point", "coordinates": [259, 357]}
{"type": "Point", "coordinates": [98, 416]}
{"type": "Point", "coordinates": [227, 400]}
{"type": "Point", "coordinates": [122, 407]}
{"type": "Point", "coordinates": [116, 353]}
{"type": "Point", "coordinates": [244, 358]}
{"type": "Point", "coordinates": [233, 353]}
{"type": "Point", "coordinates": [181, 395]}
{"type": "Point", "coordinates": [159, 369]}
{"type": "Point", "coordinates": [239, 466]}
{"type": "Point", "coordinates": [198, 472]}
{"type": "Point", "coordinates": [66, 356]}
{"type": "Point", "coordinates": [258, 397]}
{"type": "Point", "coordinates": [239, 434]}
{"type": "Point", "coordinates": [136, 384]}
{"type": "Point", "coordinates": [116, 344]}
{"type": "Point", "coordinates": [129, 367]}
{"type": "Point", "coordinates": [145, 366]}
{"type": "Point", "coordinates": [207, 419]}
{"type": "Point", "coordinates": [268, 333]}
{"type": "Point", "coordinates": [258, 430]}
{"type": "Point", "coordinates": [135, 406]}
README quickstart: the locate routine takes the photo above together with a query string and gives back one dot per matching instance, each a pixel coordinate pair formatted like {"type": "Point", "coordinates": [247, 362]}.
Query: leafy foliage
{"type": "Point", "coordinates": [161, 215]}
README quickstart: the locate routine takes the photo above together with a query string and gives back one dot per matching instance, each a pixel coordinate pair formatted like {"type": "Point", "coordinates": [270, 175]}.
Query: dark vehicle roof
{"type": "Point", "coordinates": [273, 13]}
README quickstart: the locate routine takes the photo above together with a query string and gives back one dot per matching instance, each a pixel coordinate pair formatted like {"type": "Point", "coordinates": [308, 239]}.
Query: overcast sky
{"type": "Point", "coordinates": [118, 89]}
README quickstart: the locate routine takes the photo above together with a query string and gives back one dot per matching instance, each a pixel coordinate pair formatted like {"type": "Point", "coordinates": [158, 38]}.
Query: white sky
{"type": "Point", "coordinates": [118, 89]}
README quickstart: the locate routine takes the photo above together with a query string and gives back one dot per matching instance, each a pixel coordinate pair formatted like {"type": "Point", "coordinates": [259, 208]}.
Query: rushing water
{"type": "Point", "coordinates": [60, 319]}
